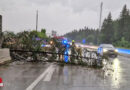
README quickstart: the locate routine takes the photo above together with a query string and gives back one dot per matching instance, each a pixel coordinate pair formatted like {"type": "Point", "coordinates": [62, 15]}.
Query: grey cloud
{"type": "Point", "coordinates": [80, 5]}
{"type": "Point", "coordinates": [60, 15]}
{"type": "Point", "coordinates": [76, 5]}
{"type": "Point", "coordinates": [6, 5]}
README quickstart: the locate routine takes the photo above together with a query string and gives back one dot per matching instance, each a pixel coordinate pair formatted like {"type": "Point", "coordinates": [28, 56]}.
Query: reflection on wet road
{"type": "Point", "coordinates": [116, 78]}
{"type": "Point", "coordinates": [67, 77]}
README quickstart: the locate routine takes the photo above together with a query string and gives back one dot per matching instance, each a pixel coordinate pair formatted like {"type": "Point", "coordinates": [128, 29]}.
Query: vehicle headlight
{"type": "Point", "coordinates": [105, 50]}
{"type": "Point", "coordinates": [116, 50]}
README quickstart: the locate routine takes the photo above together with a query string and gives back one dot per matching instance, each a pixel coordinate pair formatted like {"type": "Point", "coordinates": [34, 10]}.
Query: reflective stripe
{"type": "Point", "coordinates": [1, 84]}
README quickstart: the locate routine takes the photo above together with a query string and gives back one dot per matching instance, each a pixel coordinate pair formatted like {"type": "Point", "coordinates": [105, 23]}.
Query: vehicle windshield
{"type": "Point", "coordinates": [107, 46]}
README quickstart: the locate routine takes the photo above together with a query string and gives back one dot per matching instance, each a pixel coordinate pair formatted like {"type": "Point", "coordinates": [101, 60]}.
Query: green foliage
{"type": "Point", "coordinates": [124, 21]}
{"type": "Point", "coordinates": [26, 40]}
{"type": "Point", "coordinates": [7, 34]}
{"type": "Point", "coordinates": [42, 34]}
{"type": "Point", "coordinates": [107, 35]}
{"type": "Point", "coordinates": [90, 38]}
{"type": "Point", "coordinates": [78, 35]}
{"type": "Point", "coordinates": [123, 43]}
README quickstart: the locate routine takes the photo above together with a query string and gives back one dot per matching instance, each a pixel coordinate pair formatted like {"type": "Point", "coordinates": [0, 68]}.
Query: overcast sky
{"type": "Point", "coordinates": [60, 15]}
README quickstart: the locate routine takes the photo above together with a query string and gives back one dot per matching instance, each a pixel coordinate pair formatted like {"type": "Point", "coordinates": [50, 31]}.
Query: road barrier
{"type": "Point", "coordinates": [4, 56]}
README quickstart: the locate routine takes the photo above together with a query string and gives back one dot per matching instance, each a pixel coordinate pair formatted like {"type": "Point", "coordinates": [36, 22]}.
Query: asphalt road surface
{"type": "Point", "coordinates": [53, 76]}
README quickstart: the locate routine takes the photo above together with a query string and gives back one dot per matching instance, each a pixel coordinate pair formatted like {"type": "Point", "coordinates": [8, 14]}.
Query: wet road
{"type": "Point", "coordinates": [53, 76]}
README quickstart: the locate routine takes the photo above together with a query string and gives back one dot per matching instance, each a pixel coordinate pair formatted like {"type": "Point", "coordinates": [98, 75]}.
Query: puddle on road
{"type": "Point", "coordinates": [109, 76]}
{"type": "Point", "coordinates": [112, 71]}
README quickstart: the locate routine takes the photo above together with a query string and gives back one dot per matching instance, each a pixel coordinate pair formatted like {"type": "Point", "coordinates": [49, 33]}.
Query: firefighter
{"type": "Point", "coordinates": [79, 52]}
{"type": "Point", "coordinates": [73, 51]}
{"type": "Point", "coordinates": [61, 50]}
{"type": "Point", "coordinates": [53, 49]}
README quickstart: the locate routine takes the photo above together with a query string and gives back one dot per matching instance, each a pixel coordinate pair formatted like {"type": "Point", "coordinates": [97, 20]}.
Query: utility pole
{"type": "Point", "coordinates": [0, 30]}
{"type": "Point", "coordinates": [36, 20]}
{"type": "Point", "coordinates": [100, 19]}
{"type": "Point", "coordinates": [100, 23]}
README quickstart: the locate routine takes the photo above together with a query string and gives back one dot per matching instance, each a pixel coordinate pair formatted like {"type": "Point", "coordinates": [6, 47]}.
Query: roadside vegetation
{"type": "Point", "coordinates": [28, 40]}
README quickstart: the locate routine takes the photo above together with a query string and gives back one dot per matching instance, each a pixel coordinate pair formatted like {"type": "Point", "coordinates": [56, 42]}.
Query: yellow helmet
{"type": "Point", "coordinates": [73, 41]}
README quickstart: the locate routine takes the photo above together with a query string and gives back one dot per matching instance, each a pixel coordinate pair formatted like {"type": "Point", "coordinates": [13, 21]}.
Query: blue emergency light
{"type": "Point", "coordinates": [66, 57]}
{"type": "Point", "coordinates": [43, 45]}
{"type": "Point", "coordinates": [84, 41]}
{"type": "Point", "coordinates": [64, 42]}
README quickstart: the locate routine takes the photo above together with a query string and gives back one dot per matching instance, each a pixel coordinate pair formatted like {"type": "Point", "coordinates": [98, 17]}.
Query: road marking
{"type": "Point", "coordinates": [30, 87]}
{"type": "Point", "coordinates": [49, 75]}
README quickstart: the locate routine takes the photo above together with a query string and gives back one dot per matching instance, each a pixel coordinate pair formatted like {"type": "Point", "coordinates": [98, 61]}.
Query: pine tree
{"type": "Point", "coordinates": [107, 35]}
{"type": "Point", "coordinates": [124, 22]}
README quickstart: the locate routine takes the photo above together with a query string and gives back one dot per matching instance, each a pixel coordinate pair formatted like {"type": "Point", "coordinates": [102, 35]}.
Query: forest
{"type": "Point", "coordinates": [116, 32]}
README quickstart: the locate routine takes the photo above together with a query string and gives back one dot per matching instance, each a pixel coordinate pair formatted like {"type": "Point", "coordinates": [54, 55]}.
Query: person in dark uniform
{"type": "Point", "coordinates": [73, 51]}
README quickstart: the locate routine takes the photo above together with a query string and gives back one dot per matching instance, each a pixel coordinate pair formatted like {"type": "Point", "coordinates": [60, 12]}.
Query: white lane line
{"type": "Point", "coordinates": [30, 87]}
{"type": "Point", "coordinates": [49, 75]}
